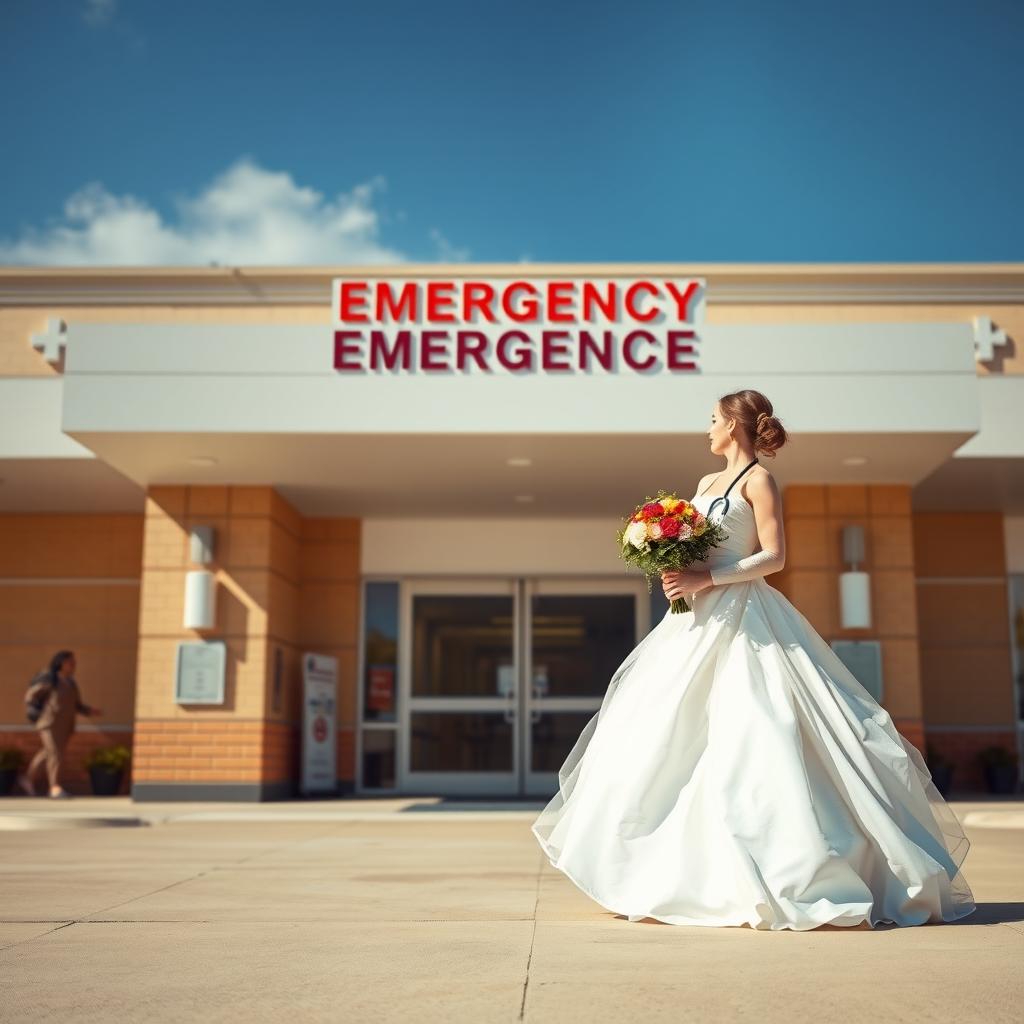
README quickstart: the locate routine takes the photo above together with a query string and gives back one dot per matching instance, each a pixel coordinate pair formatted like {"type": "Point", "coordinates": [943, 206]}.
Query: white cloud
{"type": "Point", "coordinates": [247, 215]}
{"type": "Point", "coordinates": [99, 11]}
{"type": "Point", "coordinates": [446, 252]}
{"type": "Point", "coordinates": [103, 16]}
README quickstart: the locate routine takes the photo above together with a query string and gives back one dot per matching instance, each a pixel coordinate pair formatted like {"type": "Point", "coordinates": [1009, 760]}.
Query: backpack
{"type": "Point", "coordinates": [34, 705]}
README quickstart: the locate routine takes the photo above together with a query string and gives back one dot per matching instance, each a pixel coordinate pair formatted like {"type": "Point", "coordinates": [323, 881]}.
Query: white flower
{"type": "Point", "coordinates": [636, 534]}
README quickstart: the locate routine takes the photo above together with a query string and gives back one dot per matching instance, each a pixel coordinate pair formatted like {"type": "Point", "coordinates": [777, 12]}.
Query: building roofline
{"type": "Point", "coordinates": [310, 285]}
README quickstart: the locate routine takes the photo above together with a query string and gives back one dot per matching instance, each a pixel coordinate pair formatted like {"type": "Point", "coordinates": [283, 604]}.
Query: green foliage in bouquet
{"type": "Point", "coordinates": [667, 533]}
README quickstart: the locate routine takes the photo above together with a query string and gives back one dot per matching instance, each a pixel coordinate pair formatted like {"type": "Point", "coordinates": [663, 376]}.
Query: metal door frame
{"type": "Point", "coordinates": [522, 704]}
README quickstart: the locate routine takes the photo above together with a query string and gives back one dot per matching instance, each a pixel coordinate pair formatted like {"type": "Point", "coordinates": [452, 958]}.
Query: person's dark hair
{"type": "Point", "coordinates": [753, 412]}
{"type": "Point", "coordinates": [55, 663]}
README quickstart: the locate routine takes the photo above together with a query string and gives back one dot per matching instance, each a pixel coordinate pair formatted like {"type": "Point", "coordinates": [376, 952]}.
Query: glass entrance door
{"type": "Point", "coordinates": [498, 677]}
{"type": "Point", "coordinates": [459, 668]}
{"type": "Point", "coordinates": [577, 635]}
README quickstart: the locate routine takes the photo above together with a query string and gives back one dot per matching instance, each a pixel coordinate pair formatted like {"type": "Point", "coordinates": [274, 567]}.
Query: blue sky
{"type": "Point", "coordinates": [146, 131]}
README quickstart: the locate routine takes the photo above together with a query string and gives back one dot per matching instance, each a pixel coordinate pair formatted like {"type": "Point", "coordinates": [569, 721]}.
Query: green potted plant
{"type": "Point", "coordinates": [106, 768]}
{"type": "Point", "coordinates": [941, 769]}
{"type": "Point", "coordinates": [1000, 767]}
{"type": "Point", "coordinates": [11, 760]}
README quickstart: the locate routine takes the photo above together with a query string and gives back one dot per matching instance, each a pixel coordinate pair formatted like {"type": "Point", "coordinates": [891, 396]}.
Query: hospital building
{"type": "Point", "coordinates": [357, 524]}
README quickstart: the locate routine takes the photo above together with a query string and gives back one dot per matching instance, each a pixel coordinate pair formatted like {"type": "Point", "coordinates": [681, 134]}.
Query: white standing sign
{"type": "Point", "coordinates": [319, 738]}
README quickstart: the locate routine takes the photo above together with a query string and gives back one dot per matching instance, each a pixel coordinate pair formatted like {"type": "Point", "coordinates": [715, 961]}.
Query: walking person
{"type": "Point", "coordinates": [52, 702]}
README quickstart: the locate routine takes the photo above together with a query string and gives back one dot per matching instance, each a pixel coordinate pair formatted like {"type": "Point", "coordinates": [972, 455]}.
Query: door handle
{"type": "Point", "coordinates": [540, 691]}
{"type": "Point", "coordinates": [509, 713]}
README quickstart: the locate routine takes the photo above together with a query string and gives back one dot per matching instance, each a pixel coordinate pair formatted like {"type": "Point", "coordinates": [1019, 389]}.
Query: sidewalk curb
{"type": "Point", "coordinates": [23, 813]}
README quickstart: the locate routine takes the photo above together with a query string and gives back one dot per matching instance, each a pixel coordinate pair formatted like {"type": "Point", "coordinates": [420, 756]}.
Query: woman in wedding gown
{"type": "Point", "coordinates": [736, 772]}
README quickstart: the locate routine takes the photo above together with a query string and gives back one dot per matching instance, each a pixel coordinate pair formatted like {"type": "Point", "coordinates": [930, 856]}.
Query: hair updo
{"type": "Point", "coordinates": [753, 413]}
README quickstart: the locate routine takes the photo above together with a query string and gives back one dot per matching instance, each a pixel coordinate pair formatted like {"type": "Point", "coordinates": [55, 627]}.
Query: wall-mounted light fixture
{"type": "Point", "coordinates": [854, 584]}
{"type": "Point", "coordinates": [200, 545]}
{"type": "Point", "coordinates": [200, 584]}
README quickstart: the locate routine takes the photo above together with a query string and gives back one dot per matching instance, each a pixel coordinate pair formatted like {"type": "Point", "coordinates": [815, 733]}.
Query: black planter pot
{"type": "Point", "coordinates": [105, 782]}
{"type": "Point", "coordinates": [942, 776]}
{"type": "Point", "coordinates": [1001, 778]}
{"type": "Point", "coordinates": [7, 777]}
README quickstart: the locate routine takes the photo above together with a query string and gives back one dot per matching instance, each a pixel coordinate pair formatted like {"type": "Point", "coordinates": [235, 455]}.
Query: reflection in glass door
{"type": "Point", "coordinates": [460, 669]}
{"type": "Point", "coordinates": [578, 634]}
{"type": "Point", "coordinates": [471, 724]}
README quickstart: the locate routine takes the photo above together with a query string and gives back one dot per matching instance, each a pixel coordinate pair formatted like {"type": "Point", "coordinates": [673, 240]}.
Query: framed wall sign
{"type": "Point", "coordinates": [199, 673]}
{"type": "Point", "coordinates": [864, 659]}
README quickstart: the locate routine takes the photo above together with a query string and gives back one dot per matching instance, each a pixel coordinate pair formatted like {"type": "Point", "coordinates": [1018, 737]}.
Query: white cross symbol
{"type": "Point", "coordinates": [986, 337]}
{"type": "Point", "coordinates": [52, 341]}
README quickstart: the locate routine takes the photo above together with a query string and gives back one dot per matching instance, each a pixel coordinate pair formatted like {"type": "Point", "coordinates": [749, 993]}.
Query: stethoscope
{"type": "Point", "coordinates": [724, 498]}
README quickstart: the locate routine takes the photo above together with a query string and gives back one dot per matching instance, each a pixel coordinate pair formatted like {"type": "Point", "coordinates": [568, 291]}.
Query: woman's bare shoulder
{"type": "Point", "coordinates": [760, 483]}
{"type": "Point", "coordinates": [704, 481]}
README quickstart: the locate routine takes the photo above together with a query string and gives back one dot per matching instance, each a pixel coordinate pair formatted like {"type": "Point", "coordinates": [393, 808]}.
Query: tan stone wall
{"type": "Point", "coordinates": [282, 584]}
{"type": "Point", "coordinates": [256, 567]}
{"type": "Point", "coordinates": [196, 751]}
{"type": "Point", "coordinates": [329, 616]}
{"type": "Point", "coordinates": [70, 581]}
{"type": "Point", "coordinates": [292, 583]}
{"type": "Point", "coordinates": [814, 517]}
{"type": "Point", "coordinates": [111, 587]}
{"type": "Point", "coordinates": [964, 626]}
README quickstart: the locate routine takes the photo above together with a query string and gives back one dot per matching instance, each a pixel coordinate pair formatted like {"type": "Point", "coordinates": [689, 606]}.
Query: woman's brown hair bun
{"type": "Point", "coordinates": [753, 412]}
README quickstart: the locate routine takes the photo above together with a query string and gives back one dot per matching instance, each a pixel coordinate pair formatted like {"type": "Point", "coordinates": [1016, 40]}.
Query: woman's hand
{"type": "Point", "coordinates": [682, 582]}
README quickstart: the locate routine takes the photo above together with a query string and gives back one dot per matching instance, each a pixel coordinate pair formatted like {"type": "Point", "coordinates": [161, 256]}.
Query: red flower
{"type": "Point", "coordinates": [669, 527]}
{"type": "Point", "coordinates": [653, 509]}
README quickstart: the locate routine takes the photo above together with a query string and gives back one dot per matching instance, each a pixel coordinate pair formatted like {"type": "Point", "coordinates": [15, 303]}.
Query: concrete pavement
{"type": "Point", "coordinates": [393, 910]}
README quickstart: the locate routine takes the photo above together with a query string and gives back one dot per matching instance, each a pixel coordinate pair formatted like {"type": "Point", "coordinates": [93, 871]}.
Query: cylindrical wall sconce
{"type": "Point", "coordinates": [854, 585]}
{"type": "Point", "coordinates": [200, 584]}
{"type": "Point", "coordinates": [855, 600]}
{"type": "Point", "coordinates": [201, 545]}
{"type": "Point", "coordinates": [200, 599]}
{"type": "Point", "coordinates": [853, 545]}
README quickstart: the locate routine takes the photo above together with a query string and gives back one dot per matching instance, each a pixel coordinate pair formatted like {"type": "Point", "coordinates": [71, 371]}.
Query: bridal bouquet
{"type": "Point", "coordinates": [667, 533]}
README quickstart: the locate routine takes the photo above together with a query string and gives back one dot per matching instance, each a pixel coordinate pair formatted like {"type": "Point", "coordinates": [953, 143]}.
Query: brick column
{"type": "Point", "coordinates": [329, 599]}
{"type": "Point", "coordinates": [964, 620]}
{"type": "Point", "coordinates": [245, 749]}
{"type": "Point", "coordinates": [814, 517]}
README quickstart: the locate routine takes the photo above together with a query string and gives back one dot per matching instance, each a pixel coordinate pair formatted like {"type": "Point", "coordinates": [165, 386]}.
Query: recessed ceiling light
{"type": "Point", "coordinates": [202, 460]}
{"type": "Point", "coordinates": [855, 460]}
{"type": "Point", "coordinates": [524, 497]}
{"type": "Point", "coordinates": [519, 461]}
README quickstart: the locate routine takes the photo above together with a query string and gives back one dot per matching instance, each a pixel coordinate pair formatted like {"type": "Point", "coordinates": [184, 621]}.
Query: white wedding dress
{"type": "Point", "coordinates": [738, 773]}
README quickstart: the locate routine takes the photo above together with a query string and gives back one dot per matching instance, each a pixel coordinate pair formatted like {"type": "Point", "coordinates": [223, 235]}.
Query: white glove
{"type": "Point", "coordinates": [760, 563]}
